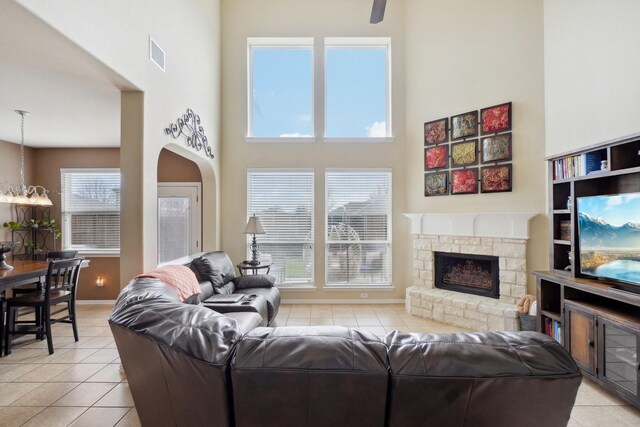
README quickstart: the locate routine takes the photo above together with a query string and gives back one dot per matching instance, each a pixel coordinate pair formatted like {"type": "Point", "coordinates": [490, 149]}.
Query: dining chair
{"type": "Point", "coordinates": [38, 286]}
{"type": "Point", "coordinates": [60, 287]}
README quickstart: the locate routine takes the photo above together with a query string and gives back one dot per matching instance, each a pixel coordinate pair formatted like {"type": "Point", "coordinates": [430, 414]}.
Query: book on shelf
{"type": "Point", "coordinates": [578, 165]}
{"type": "Point", "coordinates": [553, 328]}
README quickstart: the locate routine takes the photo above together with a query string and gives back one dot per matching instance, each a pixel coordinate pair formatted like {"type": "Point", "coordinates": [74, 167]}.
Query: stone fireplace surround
{"type": "Point", "coordinates": [503, 235]}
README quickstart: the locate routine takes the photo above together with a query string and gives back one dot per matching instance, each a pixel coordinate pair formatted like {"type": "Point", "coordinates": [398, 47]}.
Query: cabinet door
{"type": "Point", "coordinates": [579, 336]}
{"type": "Point", "coordinates": [618, 356]}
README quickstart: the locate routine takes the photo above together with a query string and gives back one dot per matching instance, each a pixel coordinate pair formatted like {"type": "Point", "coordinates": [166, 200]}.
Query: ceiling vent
{"type": "Point", "coordinates": [156, 54]}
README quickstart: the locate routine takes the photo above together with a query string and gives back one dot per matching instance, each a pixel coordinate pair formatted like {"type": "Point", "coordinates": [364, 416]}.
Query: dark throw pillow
{"type": "Point", "coordinates": [255, 281]}
{"type": "Point", "coordinates": [205, 270]}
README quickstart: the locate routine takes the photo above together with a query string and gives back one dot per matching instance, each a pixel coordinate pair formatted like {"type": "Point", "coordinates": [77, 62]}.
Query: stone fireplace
{"type": "Point", "coordinates": [502, 237]}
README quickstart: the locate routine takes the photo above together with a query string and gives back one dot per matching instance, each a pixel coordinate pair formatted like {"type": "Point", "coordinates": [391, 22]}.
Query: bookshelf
{"type": "Point", "coordinates": [598, 324]}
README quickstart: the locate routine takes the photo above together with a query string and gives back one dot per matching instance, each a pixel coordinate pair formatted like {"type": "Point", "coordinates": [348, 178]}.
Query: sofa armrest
{"type": "Point", "coordinates": [255, 281]}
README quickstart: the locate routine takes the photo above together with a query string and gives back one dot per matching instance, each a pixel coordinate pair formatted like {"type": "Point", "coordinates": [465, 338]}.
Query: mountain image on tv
{"type": "Point", "coordinates": [610, 237]}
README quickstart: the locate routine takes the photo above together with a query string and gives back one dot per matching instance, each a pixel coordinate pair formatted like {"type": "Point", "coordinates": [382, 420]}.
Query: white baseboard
{"type": "Point", "coordinates": [343, 301]}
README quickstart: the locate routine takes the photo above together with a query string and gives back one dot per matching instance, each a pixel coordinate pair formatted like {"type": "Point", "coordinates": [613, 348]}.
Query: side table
{"type": "Point", "coordinates": [244, 266]}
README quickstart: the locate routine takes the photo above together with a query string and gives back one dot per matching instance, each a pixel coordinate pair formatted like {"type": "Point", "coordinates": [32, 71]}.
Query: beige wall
{"type": "Point", "coordinates": [592, 89]}
{"type": "Point", "coordinates": [118, 35]}
{"type": "Point", "coordinates": [446, 60]}
{"type": "Point", "coordinates": [318, 19]}
{"type": "Point", "coordinates": [464, 55]}
{"type": "Point", "coordinates": [10, 174]}
{"type": "Point", "coordinates": [48, 162]}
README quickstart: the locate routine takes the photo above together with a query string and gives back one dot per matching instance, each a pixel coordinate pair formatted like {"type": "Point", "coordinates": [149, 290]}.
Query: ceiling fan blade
{"type": "Point", "coordinates": [377, 11]}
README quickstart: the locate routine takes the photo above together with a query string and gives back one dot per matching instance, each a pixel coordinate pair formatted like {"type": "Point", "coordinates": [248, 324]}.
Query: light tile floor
{"type": "Point", "coordinates": [83, 383]}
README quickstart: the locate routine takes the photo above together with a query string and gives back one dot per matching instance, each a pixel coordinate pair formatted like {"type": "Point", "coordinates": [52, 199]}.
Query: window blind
{"type": "Point", "coordinates": [358, 224]}
{"type": "Point", "coordinates": [91, 210]}
{"type": "Point", "coordinates": [283, 200]}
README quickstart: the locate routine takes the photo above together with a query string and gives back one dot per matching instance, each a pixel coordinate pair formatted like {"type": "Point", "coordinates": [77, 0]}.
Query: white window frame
{"type": "Point", "coordinates": [66, 232]}
{"type": "Point", "coordinates": [359, 286]}
{"type": "Point", "coordinates": [310, 284]}
{"type": "Point", "coordinates": [360, 43]}
{"type": "Point", "coordinates": [278, 43]}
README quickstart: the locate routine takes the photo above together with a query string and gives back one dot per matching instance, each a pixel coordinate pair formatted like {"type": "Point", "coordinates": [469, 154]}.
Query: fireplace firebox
{"type": "Point", "coordinates": [472, 274]}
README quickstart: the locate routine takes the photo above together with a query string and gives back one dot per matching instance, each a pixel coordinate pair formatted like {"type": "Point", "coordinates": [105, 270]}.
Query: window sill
{"type": "Point", "coordinates": [363, 287]}
{"type": "Point", "coordinates": [373, 140]}
{"type": "Point", "coordinates": [312, 139]}
{"type": "Point", "coordinates": [282, 139]}
{"type": "Point", "coordinates": [96, 254]}
{"type": "Point", "coordinates": [296, 287]}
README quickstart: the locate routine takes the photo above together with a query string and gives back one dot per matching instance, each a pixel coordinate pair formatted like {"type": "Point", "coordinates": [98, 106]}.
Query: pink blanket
{"type": "Point", "coordinates": [179, 277]}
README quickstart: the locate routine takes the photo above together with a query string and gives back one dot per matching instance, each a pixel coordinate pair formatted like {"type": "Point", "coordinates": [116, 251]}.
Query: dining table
{"type": "Point", "coordinates": [25, 272]}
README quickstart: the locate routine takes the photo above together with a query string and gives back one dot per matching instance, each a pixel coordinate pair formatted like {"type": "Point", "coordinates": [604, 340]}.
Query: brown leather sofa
{"type": "Point", "coordinates": [188, 365]}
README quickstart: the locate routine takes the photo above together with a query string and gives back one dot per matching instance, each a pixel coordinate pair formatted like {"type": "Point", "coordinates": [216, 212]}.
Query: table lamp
{"type": "Point", "coordinates": [254, 227]}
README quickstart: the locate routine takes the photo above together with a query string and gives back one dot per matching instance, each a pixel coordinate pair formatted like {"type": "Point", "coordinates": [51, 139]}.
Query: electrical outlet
{"type": "Point", "coordinates": [364, 295]}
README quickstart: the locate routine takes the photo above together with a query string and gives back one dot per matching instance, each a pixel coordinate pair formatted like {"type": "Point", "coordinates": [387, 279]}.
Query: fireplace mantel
{"type": "Point", "coordinates": [499, 225]}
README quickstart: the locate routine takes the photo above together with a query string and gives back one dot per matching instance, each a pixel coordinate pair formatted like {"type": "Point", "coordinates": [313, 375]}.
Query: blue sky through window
{"type": "Point", "coordinates": [356, 92]}
{"type": "Point", "coordinates": [282, 92]}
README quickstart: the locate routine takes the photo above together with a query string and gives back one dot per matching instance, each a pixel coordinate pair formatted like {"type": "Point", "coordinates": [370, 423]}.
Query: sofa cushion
{"type": "Point", "coordinates": [206, 271]}
{"type": "Point", "coordinates": [255, 281]}
{"type": "Point", "coordinates": [223, 263]}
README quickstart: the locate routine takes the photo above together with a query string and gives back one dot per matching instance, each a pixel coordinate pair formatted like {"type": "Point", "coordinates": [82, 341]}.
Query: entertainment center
{"type": "Point", "coordinates": [594, 313]}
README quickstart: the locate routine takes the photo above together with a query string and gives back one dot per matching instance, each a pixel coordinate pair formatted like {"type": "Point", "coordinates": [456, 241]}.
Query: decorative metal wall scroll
{"type": "Point", "coordinates": [189, 126]}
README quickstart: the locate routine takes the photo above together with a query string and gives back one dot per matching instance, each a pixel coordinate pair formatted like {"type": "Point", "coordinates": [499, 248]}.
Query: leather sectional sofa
{"type": "Point", "coordinates": [216, 275]}
{"type": "Point", "coordinates": [188, 365]}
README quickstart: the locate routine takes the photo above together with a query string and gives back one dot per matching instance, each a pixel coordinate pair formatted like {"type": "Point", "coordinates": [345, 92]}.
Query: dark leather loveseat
{"type": "Point", "coordinates": [189, 366]}
{"type": "Point", "coordinates": [216, 275]}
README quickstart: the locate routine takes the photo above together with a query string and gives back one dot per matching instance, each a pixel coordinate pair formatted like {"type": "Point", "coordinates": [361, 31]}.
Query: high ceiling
{"type": "Point", "coordinates": [74, 100]}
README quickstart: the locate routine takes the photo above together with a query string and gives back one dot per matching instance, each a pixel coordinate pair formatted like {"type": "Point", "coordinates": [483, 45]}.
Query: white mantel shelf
{"type": "Point", "coordinates": [500, 225]}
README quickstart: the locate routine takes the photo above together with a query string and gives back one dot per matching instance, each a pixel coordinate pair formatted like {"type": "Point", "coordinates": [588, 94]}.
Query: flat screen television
{"type": "Point", "coordinates": [609, 238]}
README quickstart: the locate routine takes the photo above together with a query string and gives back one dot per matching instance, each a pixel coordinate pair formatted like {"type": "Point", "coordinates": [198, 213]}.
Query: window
{"type": "Point", "coordinates": [358, 226]}
{"type": "Point", "coordinates": [283, 200]}
{"type": "Point", "coordinates": [281, 84]}
{"type": "Point", "coordinates": [280, 87]}
{"type": "Point", "coordinates": [91, 210]}
{"type": "Point", "coordinates": [357, 88]}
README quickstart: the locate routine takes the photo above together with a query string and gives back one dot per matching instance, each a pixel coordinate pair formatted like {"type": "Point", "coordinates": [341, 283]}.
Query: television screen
{"type": "Point", "coordinates": [609, 236]}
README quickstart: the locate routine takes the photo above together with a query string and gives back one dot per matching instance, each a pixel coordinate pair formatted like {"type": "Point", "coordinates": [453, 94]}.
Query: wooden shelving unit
{"type": "Point", "coordinates": [596, 322]}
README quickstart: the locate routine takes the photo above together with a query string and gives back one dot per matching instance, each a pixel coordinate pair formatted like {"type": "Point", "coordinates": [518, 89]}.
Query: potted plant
{"type": "Point", "coordinates": [29, 247]}
{"type": "Point", "coordinates": [12, 225]}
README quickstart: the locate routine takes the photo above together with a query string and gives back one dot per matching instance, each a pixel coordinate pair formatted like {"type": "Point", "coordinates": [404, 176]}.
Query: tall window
{"type": "Point", "coordinates": [356, 102]}
{"type": "Point", "coordinates": [283, 200]}
{"type": "Point", "coordinates": [91, 210]}
{"type": "Point", "coordinates": [357, 88]}
{"type": "Point", "coordinates": [358, 223]}
{"type": "Point", "coordinates": [280, 86]}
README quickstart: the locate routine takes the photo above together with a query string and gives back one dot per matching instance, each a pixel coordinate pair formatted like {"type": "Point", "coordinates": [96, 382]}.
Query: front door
{"type": "Point", "coordinates": [178, 220]}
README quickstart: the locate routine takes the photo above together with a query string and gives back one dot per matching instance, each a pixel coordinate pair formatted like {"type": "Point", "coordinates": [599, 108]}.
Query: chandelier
{"type": "Point", "coordinates": [22, 194]}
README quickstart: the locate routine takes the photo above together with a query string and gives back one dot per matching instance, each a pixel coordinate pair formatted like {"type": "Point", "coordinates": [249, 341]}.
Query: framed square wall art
{"type": "Point", "coordinates": [464, 153]}
{"type": "Point", "coordinates": [464, 125]}
{"type": "Point", "coordinates": [496, 119]}
{"type": "Point", "coordinates": [436, 184]}
{"type": "Point", "coordinates": [495, 179]}
{"type": "Point", "coordinates": [464, 181]}
{"type": "Point", "coordinates": [436, 132]}
{"type": "Point", "coordinates": [436, 157]}
{"type": "Point", "coordinates": [496, 148]}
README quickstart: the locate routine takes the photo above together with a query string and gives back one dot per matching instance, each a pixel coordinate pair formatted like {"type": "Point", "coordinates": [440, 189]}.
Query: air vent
{"type": "Point", "coordinates": [156, 54]}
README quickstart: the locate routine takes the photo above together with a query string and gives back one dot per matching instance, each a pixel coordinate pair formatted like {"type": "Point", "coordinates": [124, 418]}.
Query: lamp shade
{"type": "Point", "coordinates": [254, 226]}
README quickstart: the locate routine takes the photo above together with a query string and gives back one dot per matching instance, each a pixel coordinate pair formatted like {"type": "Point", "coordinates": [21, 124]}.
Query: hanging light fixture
{"type": "Point", "coordinates": [22, 194]}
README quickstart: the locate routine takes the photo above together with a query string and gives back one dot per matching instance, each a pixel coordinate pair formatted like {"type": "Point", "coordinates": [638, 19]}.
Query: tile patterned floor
{"type": "Point", "coordinates": [83, 384]}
